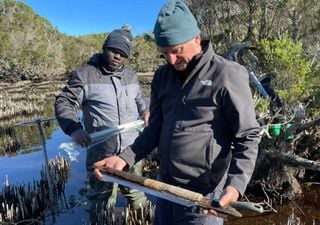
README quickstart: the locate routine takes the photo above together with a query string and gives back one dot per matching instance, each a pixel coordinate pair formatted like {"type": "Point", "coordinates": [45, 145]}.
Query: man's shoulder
{"type": "Point", "coordinates": [163, 70]}
{"type": "Point", "coordinates": [84, 73]}
{"type": "Point", "coordinates": [222, 61]}
{"type": "Point", "coordinates": [87, 68]}
{"type": "Point", "coordinates": [129, 71]}
{"type": "Point", "coordinates": [130, 75]}
{"type": "Point", "coordinates": [228, 67]}
{"type": "Point", "coordinates": [91, 65]}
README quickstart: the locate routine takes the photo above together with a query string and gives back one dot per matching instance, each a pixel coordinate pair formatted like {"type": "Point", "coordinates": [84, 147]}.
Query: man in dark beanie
{"type": "Point", "coordinates": [108, 93]}
{"type": "Point", "coordinates": [120, 39]}
{"type": "Point", "coordinates": [202, 120]}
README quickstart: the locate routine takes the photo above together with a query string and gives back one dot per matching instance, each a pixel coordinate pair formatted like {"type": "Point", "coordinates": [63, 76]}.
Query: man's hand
{"type": "Point", "coordinates": [229, 195]}
{"type": "Point", "coordinates": [114, 162]}
{"type": "Point", "coordinates": [145, 117]}
{"type": "Point", "coordinates": [81, 137]}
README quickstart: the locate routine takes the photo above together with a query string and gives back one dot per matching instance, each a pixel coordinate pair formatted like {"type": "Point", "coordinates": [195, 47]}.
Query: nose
{"type": "Point", "coordinates": [117, 55]}
{"type": "Point", "coordinates": [171, 58]}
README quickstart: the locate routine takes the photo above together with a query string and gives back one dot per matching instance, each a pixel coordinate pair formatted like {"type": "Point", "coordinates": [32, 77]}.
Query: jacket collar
{"type": "Point", "coordinates": [118, 73]}
{"type": "Point", "coordinates": [199, 60]}
{"type": "Point", "coordinates": [96, 61]}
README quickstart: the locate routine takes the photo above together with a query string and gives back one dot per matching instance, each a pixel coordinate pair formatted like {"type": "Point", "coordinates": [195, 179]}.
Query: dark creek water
{"type": "Point", "coordinates": [290, 214]}
{"type": "Point", "coordinates": [25, 166]}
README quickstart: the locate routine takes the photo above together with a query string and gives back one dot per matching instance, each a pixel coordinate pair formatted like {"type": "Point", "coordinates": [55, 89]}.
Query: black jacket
{"type": "Point", "coordinates": [194, 125]}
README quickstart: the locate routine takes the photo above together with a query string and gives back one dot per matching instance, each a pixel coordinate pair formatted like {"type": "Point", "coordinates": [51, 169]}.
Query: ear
{"type": "Point", "coordinates": [197, 39]}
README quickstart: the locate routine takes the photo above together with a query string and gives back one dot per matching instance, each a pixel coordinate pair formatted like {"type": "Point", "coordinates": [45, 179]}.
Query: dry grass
{"type": "Point", "coordinates": [25, 99]}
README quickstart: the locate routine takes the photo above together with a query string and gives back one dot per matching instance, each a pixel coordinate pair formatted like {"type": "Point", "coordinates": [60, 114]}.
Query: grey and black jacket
{"type": "Point", "coordinates": [106, 99]}
{"type": "Point", "coordinates": [196, 122]}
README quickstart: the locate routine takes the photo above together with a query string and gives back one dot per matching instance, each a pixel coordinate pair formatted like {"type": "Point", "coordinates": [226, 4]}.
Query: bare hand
{"type": "Point", "coordinates": [145, 118]}
{"type": "Point", "coordinates": [114, 162]}
{"type": "Point", "coordinates": [230, 194]}
{"type": "Point", "coordinates": [81, 137]}
{"type": "Point", "coordinates": [209, 212]}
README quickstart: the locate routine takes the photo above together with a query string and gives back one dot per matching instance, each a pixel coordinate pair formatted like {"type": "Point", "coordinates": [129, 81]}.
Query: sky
{"type": "Point", "coordinates": [80, 17]}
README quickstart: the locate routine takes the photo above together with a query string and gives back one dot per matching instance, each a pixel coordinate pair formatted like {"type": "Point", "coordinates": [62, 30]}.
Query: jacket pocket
{"type": "Point", "coordinates": [192, 154]}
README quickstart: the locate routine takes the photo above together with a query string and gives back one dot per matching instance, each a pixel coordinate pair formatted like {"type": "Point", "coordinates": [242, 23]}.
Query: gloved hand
{"type": "Point", "coordinates": [81, 137]}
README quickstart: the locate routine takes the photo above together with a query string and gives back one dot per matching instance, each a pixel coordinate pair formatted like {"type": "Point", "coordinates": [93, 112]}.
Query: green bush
{"type": "Point", "coordinates": [285, 59]}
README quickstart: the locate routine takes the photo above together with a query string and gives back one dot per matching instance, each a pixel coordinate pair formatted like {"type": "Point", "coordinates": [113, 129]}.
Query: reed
{"type": "Point", "coordinates": [26, 99]}
{"type": "Point", "coordinates": [8, 142]}
{"type": "Point", "coordinates": [125, 215]}
{"type": "Point", "coordinates": [30, 201]}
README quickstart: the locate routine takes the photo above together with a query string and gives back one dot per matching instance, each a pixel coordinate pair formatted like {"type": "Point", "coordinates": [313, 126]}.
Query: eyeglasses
{"type": "Point", "coordinates": [167, 51]}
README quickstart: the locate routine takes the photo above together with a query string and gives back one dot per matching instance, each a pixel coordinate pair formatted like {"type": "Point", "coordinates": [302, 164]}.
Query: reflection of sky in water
{"type": "Point", "coordinates": [25, 168]}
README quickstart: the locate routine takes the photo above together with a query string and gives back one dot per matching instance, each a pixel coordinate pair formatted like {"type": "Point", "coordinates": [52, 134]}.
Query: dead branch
{"type": "Point", "coordinates": [307, 125]}
{"type": "Point", "coordinates": [293, 160]}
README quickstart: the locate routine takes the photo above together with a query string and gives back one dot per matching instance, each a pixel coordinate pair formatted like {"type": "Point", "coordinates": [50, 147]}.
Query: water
{"type": "Point", "coordinates": [25, 167]}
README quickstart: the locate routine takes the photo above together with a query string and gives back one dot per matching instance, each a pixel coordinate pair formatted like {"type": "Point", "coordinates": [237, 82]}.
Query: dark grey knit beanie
{"type": "Point", "coordinates": [175, 24]}
{"type": "Point", "coordinates": [120, 39]}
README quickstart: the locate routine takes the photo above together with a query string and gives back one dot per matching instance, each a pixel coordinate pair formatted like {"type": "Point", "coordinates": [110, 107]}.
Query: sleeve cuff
{"type": "Point", "coordinates": [73, 127]}
{"type": "Point", "coordinates": [237, 184]}
{"type": "Point", "coordinates": [128, 156]}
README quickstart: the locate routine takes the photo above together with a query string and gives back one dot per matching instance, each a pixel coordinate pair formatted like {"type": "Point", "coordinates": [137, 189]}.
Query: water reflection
{"type": "Point", "coordinates": [24, 167]}
{"type": "Point", "coordinates": [22, 170]}
{"type": "Point", "coordinates": [69, 205]}
{"type": "Point", "coordinates": [30, 202]}
{"type": "Point", "coordinates": [8, 141]}
{"type": "Point", "coordinates": [23, 138]}
{"type": "Point", "coordinates": [288, 214]}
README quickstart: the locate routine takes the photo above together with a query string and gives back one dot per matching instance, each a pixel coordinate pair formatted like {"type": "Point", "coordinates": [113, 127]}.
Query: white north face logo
{"type": "Point", "coordinates": [206, 82]}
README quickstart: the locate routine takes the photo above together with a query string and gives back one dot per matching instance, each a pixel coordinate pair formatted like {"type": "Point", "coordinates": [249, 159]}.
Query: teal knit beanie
{"type": "Point", "coordinates": [175, 24]}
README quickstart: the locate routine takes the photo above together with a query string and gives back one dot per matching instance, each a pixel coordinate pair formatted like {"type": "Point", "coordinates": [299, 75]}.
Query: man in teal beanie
{"type": "Point", "coordinates": [175, 25]}
{"type": "Point", "coordinates": [202, 120]}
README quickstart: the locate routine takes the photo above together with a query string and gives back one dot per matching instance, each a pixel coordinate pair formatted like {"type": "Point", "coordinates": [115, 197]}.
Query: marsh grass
{"type": "Point", "coordinates": [30, 202]}
{"type": "Point", "coordinates": [25, 100]}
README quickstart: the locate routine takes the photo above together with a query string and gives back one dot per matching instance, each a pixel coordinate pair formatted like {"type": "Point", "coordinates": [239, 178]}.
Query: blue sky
{"type": "Point", "coordinates": [79, 17]}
